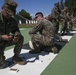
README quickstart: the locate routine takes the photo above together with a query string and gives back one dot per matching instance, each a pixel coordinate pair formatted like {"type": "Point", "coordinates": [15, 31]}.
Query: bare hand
{"type": "Point", "coordinates": [15, 39]}
{"type": "Point", "coordinates": [6, 37]}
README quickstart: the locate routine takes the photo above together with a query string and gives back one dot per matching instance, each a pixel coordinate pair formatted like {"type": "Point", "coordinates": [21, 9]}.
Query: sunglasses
{"type": "Point", "coordinates": [36, 17]}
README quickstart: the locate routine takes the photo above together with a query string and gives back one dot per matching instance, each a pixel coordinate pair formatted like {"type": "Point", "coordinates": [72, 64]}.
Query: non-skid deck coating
{"type": "Point", "coordinates": [44, 63]}
{"type": "Point", "coordinates": [65, 61]}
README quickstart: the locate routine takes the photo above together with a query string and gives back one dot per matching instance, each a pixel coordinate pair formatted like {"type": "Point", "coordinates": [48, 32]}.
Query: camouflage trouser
{"type": "Point", "coordinates": [56, 25]}
{"type": "Point", "coordinates": [70, 27]}
{"type": "Point", "coordinates": [17, 48]}
{"type": "Point", "coordinates": [58, 37]}
{"type": "Point", "coordinates": [40, 41]}
{"type": "Point", "coordinates": [64, 27]}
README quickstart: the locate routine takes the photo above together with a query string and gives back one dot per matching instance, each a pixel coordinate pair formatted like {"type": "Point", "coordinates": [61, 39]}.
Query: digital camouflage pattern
{"type": "Point", "coordinates": [43, 33]}
{"type": "Point", "coordinates": [55, 15]}
{"type": "Point", "coordinates": [64, 19]}
{"type": "Point", "coordinates": [10, 5]}
{"type": "Point", "coordinates": [9, 27]}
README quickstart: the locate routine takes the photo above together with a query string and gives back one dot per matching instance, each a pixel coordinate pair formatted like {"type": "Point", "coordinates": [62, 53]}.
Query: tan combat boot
{"type": "Point", "coordinates": [54, 50]}
{"type": "Point", "coordinates": [18, 60]}
{"type": "Point", "coordinates": [64, 40]}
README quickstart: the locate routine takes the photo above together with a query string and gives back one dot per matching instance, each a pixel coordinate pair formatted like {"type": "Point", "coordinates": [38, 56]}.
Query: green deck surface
{"type": "Point", "coordinates": [65, 61]}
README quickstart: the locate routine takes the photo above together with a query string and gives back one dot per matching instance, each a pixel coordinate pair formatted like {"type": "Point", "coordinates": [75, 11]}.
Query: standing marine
{"type": "Point", "coordinates": [55, 17]}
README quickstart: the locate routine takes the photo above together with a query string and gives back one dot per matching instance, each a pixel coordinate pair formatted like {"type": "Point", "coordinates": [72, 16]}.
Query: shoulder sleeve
{"type": "Point", "coordinates": [15, 26]}
{"type": "Point", "coordinates": [36, 28]}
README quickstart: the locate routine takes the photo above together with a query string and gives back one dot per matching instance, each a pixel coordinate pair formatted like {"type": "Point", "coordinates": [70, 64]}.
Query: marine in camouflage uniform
{"type": "Point", "coordinates": [64, 19]}
{"type": "Point", "coordinates": [9, 33]}
{"type": "Point", "coordinates": [70, 21]}
{"type": "Point", "coordinates": [42, 35]}
{"type": "Point", "coordinates": [55, 17]}
{"type": "Point", "coordinates": [57, 36]}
